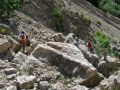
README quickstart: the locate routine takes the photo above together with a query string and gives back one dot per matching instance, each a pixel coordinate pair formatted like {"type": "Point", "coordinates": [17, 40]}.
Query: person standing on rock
{"type": "Point", "coordinates": [90, 46]}
{"type": "Point", "coordinates": [25, 43]}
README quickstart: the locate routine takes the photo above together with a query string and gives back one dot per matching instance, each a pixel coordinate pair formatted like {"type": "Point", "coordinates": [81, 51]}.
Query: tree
{"type": "Point", "coordinates": [7, 7]}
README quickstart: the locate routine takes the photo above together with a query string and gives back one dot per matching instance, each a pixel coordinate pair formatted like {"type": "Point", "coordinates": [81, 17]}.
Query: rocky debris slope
{"type": "Point", "coordinates": [53, 61]}
{"type": "Point", "coordinates": [54, 65]}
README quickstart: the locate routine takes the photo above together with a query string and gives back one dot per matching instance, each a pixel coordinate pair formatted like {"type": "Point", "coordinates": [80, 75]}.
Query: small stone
{"type": "Point", "coordinates": [44, 85]}
{"type": "Point", "coordinates": [10, 71]}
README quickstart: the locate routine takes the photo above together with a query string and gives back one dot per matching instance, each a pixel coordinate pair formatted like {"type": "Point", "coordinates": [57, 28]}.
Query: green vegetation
{"type": "Point", "coordinates": [111, 6]}
{"type": "Point", "coordinates": [57, 18]}
{"type": "Point", "coordinates": [7, 7]}
{"type": "Point", "coordinates": [102, 44]}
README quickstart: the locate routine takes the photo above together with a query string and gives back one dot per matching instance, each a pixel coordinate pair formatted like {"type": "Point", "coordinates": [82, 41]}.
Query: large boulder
{"type": "Point", "coordinates": [70, 61]}
{"type": "Point", "coordinates": [26, 82]}
{"type": "Point", "coordinates": [4, 45]}
{"type": "Point", "coordinates": [107, 68]}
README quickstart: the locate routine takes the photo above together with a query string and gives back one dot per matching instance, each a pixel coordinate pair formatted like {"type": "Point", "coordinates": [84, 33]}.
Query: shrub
{"type": "Point", "coordinates": [57, 18]}
{"type": "Point", "coordinates": [7, 7]}
{"type": "Point", "coordinates": [102, 43]}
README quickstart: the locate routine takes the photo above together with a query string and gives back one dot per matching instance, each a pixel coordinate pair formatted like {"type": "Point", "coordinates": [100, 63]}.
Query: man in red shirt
{"type": "Point", "coordinates": [90, 46]}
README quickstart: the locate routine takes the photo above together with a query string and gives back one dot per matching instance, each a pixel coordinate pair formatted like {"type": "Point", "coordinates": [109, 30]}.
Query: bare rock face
{"type": "Point", "coordinates": [25, 82]}
{"type": "Point", "coordinates": [70, 61]}
{"type": "Point", "coordinates": [4, 45]}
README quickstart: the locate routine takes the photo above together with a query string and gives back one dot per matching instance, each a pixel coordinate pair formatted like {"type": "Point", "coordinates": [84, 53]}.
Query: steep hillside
{"type": "Point", "coordinates": [62, 51]}
{"type": "Point", "coordinates": [72, 12]}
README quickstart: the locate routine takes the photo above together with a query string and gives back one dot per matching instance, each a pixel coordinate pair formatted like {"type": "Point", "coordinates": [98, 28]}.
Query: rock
{"type": "Point", "coordinates": [71, 38]}
{"type": "Point", "coordinates": [92, 58]}
{"type": "Point", "coordinates": [30, 65]}
{"type": "Point", "coordinates": [4, 45]}
{"type": "Point", "coordinates": [11, 77]}
{"type": "Point", "coordinates": [26, 82]}
{"type": "Point", "coordinates": [10, 71]}
{"type": "Point", "coordinates": [111, 83]}
{"type": "Point", "coordinates": [2, 64]}
{"type": "Point", "coordinates": [15, 45]}
{"type": "Point", "coordinates": [5, 29]}
{"type": "Point", "coordinates": [57, 86]}
{"type": "Point", "coordinates": [44, 85]}
{"type": "Point", "coordinates": [10, 54]}
{"type": "Point", "coordinates": [79, 87]}
{"type": "Point", "coordinates": [107, 68]}
{"type": "Point", "coordinates": [11, 87]}
{"type": "Point", "coordinates": [2, 85]}
{"type": "Point", "coordinates": [19, 58]}
{"type": "Point", "coordinates": [69, 59]}
{"type": "Point", "coordinates": [58, 37]}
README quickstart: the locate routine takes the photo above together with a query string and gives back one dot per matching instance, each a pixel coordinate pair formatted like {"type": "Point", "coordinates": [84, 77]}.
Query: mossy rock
{"type": "Point", "coordinates": [4, 29]}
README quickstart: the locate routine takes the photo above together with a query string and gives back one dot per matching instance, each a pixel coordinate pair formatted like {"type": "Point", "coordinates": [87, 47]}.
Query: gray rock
{"type": "Point", "coordinates": [10, 54]}
{"type": "Point", "coordinates": [69, 59]}
{"type": "Point", "coordinates": [25, 82]}
{"type": "Point", "coordinates": [57, 86]}
{"type": "Point", "coordinates": [15, 45]}
{"type": "Point", "coordinates": [11, 77]}
{"type": "Point", "coordinates": [92, 58]}
{"type": "Point", "coordinates": [70, 38]}
{"type": "Point", "coordinates": [44, 85]}
{"type": "Point", "coordinates": [4, 45]}
{"type": "Point", "coordinates": [19, 58]}
{"type": "Point", "coordinates": [79, 87]}
{"type": "Point", "coordinates": [58, 37]}
{"type": "Point", "coordinates": [2, 85]}
{"type": "Point", "coordinates": [10, 71]}
{"type": "Point", "coordinates": [11, 87]}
